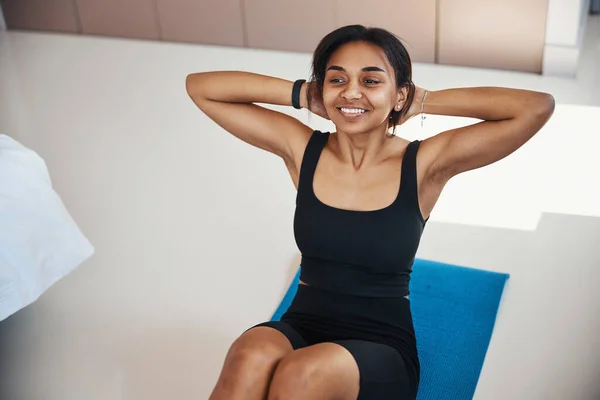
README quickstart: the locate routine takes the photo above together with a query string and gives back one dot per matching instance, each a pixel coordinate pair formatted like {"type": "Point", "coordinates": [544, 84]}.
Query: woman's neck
{"type": "Point", "coordinates": [363, 149]}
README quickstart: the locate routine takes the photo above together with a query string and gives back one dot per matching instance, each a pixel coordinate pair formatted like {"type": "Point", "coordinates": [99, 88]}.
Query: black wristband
{"type": "Point", "coordinates": [296, 93]}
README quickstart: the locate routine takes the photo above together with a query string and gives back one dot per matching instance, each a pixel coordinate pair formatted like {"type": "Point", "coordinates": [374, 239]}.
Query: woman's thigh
{"type": "Point", "coordinates": [293, 337]}
{"type": "Point", "coordinates": [258, 348]}
{"type": "Point", "coordinates": [383, 372]}
{"type": "Point", "coordinates": [250, 363]}
{"type": "Point", "coordinates": [320, 371]}
{"type": "Point", "coordinates": [343, 369]}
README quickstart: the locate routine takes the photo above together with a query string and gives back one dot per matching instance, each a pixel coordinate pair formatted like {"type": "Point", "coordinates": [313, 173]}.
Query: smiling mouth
{"type": "Point", "coordinates": [352, 112]}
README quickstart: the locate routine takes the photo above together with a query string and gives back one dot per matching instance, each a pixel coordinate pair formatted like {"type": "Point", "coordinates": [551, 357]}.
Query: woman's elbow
{"type": "Point", "coordinates": [545, 105]}
{"type": "Point", "coordinates": [190, 84]}
{"type": "Point", "coordinates": [539, 112]}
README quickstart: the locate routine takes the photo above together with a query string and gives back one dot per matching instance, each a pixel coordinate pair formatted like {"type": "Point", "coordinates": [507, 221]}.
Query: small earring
{"type": "Point", "coordinates": [397, 107]}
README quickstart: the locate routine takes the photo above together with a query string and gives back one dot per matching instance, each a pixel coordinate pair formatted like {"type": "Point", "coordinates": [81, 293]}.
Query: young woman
{"type": "Point", "coordinates": [364, 197]}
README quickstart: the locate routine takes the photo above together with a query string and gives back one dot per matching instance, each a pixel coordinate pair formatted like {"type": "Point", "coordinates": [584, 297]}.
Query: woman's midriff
{"type": "Point", "coordinates": [306, 284]}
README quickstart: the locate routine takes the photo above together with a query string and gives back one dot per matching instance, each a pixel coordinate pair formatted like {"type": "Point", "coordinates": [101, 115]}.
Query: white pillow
{"type": "Point", "coordinates": [39, 241]}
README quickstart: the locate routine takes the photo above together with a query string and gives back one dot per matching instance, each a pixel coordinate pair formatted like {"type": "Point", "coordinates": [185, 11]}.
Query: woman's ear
{"type": "Point", "coordinates": [401, 97]}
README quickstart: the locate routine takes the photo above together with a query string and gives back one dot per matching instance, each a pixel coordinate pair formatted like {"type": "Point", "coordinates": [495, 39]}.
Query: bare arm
{"type": "Point", "coordinates": [228, 97]}
{"type": "Point", "coordinates": [510, 118]}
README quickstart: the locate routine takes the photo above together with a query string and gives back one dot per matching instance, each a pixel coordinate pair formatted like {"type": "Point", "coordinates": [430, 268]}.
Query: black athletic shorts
{"type": "Point", "coordinates": [378, 332]}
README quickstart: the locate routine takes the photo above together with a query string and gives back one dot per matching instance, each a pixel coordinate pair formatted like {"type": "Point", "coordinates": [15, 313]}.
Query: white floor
{"type": "Point", "coordinates": [180, 229]}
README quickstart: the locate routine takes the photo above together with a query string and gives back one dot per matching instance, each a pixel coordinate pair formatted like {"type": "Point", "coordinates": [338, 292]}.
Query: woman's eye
{"type": "Point", "coordinates": [366, 81]}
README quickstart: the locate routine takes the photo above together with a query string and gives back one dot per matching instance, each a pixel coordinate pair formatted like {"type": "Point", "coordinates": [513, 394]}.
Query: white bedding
{"type": "Point", "coordinates": [39, 241]}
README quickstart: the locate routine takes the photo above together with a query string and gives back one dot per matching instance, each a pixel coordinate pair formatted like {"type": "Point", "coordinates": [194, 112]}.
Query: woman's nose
{"type": "Point", "coordinates": [352, 92]}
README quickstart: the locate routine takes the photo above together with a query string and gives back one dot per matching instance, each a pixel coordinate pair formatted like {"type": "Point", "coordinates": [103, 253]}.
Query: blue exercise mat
{"type": "Point", "coordinates": [454, 311]}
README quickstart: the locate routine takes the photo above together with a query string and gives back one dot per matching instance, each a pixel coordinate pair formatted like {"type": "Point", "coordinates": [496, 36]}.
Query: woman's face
{"type": "Point", "coordinates": [360, 90]}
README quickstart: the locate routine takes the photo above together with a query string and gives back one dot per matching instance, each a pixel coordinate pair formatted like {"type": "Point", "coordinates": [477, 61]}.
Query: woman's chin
{"type": "Point", "coordinates": [359, 128]}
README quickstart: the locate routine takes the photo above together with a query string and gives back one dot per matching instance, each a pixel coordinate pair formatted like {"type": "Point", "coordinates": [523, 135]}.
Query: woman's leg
{"type": "Point", "coordinates": [324, 371]}
{"type": "Point", "coordinates": [252, 359]}
{"type": "Point", "coordinates": [384, 372]}
{"type": "Point", "coordinates": [343, 370]}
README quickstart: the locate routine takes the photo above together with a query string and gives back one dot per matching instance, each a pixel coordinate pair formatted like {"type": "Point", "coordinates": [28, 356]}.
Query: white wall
{"type": "Point", "coordinates": [193, 228]}
{"type": "Point", "coordinates": [565, 26]}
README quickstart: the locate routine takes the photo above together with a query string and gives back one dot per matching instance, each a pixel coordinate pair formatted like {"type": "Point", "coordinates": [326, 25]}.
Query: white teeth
{"type": "Point", "coordinates": [353, 110]}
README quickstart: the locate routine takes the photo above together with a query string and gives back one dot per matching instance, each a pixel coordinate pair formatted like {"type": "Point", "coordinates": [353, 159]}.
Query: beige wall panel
{"type": "Point", "coordinates": [288, 25]}
{"type": "Point", "coordinates": [47, 15]}
{"type": "Point", "coordinates": [492, 34]}
{"type": "Point", "coordinates": [202, 21]}
{"type": "Point", "coordinates": [125, 18]}
{"type": "Point", "coordinates": [411, 20]}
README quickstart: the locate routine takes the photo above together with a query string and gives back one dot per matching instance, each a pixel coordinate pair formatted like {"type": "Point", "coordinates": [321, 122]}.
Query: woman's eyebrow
{"type": "Point", "coordinates": [365, 69]}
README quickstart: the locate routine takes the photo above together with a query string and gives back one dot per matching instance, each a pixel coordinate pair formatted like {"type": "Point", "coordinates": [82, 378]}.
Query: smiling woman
{"type": "Point", "coordinates": [364, 198]}
{"type": "Point", "coordinates": [389, 73]}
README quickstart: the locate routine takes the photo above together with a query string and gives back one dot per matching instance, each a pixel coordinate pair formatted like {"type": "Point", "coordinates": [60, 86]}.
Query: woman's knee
{"type": "Point", "coordinates": [295, 366]}
{"type": "Point", "coordinates": [292, 376]}
{"type": "Point", "coordinates": [321, 370]}
{"type": "Point", "coordinates": [258, 347]}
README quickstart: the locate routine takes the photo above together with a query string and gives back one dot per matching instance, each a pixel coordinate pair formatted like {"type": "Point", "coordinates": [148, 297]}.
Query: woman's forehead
{"type": "Point", "coordinates": [358, 55]}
